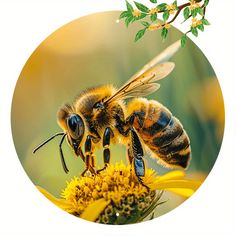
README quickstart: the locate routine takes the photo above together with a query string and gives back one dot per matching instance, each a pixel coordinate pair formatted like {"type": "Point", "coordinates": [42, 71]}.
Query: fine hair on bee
{"type": "Point", "coordinates": [99, 117]}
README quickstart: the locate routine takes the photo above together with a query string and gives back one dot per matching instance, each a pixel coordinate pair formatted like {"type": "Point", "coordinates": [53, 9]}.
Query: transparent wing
{"type": "Point", "coordinates": [164, 56]}
{"type": "Point", "coordinates": [143, 82]}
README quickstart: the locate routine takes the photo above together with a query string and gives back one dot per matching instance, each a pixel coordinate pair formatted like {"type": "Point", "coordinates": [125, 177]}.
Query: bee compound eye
{"type": "Point", "coordinates": [75, 124]}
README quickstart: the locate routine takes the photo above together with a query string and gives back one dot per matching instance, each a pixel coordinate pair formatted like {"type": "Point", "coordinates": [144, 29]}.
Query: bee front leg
{"type": "Point", "coordinates": [81, 154]}
{"type": "Point", "coordinates": [106, 144]}
{"type": "Point", "coordinates": [89, 157]}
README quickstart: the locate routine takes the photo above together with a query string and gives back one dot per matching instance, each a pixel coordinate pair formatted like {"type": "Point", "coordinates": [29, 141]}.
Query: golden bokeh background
{"type": "Point", "coordinates": [95, 50]}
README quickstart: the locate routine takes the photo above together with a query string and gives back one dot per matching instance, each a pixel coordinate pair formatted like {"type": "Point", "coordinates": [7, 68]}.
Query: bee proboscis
{"type": "Point", "coordinates": [99, 117]}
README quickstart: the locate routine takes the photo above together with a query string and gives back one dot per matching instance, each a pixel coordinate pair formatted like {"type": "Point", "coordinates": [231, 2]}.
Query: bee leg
{"type": "Point", "coordinates": [131, 161]}
{"type": "Point", "coordinates": [92, 165]}
{"type": "Point", "coordinates": [129, 155]}
{"type": "Point", "coordinates": [89, 159]}
{"type": "Point", "coordinates": [81, 154]}
{"type": "Point", "coordinates": [106, 143]}
{"type": "Point", "coordinates": [137, 152]}
{"type": "Point", "coordinates": [124, 127]}
{"type": "Point", "coordinates": [140, 118]}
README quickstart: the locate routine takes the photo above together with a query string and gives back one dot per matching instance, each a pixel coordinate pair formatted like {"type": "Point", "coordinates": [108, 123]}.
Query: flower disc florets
{"type": "Point", "coordinates": [117, 185]}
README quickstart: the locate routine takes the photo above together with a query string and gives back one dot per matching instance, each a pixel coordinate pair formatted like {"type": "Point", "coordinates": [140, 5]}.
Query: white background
{"type": "Point", "coordinates": [24, 25]}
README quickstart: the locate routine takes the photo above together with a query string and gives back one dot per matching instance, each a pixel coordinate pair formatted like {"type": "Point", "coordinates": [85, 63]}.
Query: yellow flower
{"type": "Point", "coordinates": [193, 5]}
{"type": "Point", "coordinates": [153, 11]}
{"type": "Point", "coordinates": [153, 27]}
{"type": "Point", "coordinates": [195, 22]}
{"type": "Point", "coordinates": [136, 13]}
{"type": "Point", "coordinates": [115, 196]}
{"type": "Point", "coordinates": [171, 8]}
{"type": "Point", "coordinates": [167, 26]}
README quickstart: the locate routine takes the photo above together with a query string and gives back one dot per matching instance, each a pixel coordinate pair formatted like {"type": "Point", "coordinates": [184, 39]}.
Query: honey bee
{"type": "Point", "coordinates": [99, 117]}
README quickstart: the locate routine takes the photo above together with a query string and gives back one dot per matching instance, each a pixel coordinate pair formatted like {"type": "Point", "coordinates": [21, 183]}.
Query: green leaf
{"type": "Point", "coordinates": [153, 1]}
{"type": "Point", "coordinates": [124, 14]}
{"type": "Point", "coordinates": [200, 11]}
{"type": "Point", "coordinates": [186, 13]}
{"type": "Point", "coordinates": [183, 40]}
{"type": "Point", "coordinates": [129, 7]}
{"type": "Point", "coordinates": [140, 34]}
{"type": "Point", "coordinates": [201, 27]}
{"type": "Point", "coordinates": [142, 16]}
{"type": "Point", "coordinates": [194, 31]}
{"type": "Point", "coordinates": [205, 21]}
{"type": "Point", "coordinates": [164, 33]}
{"type": "Point", "coordinates": [128, 20]}
{"type": "Point", "coordinates": [194, 12]}
{"type": "Point", "coordinates": [153, 17]}
{"type": "Point", "coordinates": [145, 24]}
{"type": "Point", "coordinates": [161, 6]}
{"type": "Point", "coordinates": [141, 7]}
{"type": "Point", "coordinates": [166, 15]}
{"type": "Point", "coordinates": [175, 3]}
{"type": "Point", "coordinates": [206, 2]}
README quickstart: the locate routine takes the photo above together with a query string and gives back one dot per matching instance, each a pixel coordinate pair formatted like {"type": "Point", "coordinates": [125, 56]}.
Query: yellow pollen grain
{"type": "Point", "coordinates": [104, 186]}
{"type": "Point", "coordinates": [86, 190]}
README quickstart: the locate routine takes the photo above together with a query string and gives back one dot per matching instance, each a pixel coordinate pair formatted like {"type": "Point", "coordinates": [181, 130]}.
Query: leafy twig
{"type": "Point", "coordinates": [191, 10]}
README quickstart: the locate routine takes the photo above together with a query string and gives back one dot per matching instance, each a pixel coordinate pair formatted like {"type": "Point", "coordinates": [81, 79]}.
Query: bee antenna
{"type": "Point", "coordinates": [48, 140]}
{"type": "Point", "coordinates": [62, 156]}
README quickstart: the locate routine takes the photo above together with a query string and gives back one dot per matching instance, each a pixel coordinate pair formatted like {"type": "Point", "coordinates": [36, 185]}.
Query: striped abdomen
{"type": "Point", "coordinates": [161, 132]}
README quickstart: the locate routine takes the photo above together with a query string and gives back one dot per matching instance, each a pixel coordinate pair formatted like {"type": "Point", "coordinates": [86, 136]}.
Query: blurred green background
{"type": "Point", "coordinates": [95, 50]}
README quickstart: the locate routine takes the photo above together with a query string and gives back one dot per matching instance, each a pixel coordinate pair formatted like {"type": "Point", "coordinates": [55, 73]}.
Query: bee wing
{"type": "Point", "coordinates": [142, 83]}
{"type": "Point", "coordinates": [164, 56]}
{"type": "Point", "coordinates": [140, 91]}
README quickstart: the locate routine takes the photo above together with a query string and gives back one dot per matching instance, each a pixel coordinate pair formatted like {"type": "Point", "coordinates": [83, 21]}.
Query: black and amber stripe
{"type": "Point", "coordinates": [164, 135]}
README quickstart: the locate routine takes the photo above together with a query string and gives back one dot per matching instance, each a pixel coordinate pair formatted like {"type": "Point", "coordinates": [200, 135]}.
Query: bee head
{"type": "Point", "coordinates": [76, 129]}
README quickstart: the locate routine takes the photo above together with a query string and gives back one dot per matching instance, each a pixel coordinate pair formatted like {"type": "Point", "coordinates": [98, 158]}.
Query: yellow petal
{"type": "Point", "coordinates": [176, 174]}
{"type": "Point", "coordinates": [181, 191]}
{"type": "Point", "coordinates": [59, 202]}
{"type": "Point", "coordinates": [93, 211]}
{"type": "Point", "coordinates": [167, 184]}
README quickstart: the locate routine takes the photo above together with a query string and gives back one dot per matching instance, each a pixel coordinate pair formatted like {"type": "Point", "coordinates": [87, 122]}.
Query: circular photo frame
{"type": "Point", "coordinates": [96, 137]}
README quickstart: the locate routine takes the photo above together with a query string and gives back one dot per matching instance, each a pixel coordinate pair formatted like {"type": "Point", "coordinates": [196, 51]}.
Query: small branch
{"type": "Point", "coordinates": [180, 8]}
{"type": "Point", "coordinates": [204, 11]}
{"type": "Point", "coordinates": [188, 32]}
{"type": "Point", "coordinates": [170, 14]}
